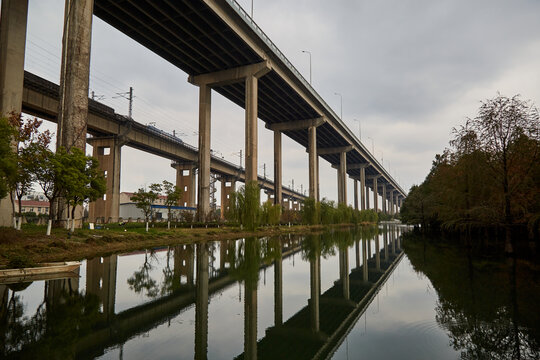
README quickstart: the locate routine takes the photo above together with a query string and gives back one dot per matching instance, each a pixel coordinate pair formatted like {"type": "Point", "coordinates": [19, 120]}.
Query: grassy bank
{"type": "Point", "coordinates": [30, 246]}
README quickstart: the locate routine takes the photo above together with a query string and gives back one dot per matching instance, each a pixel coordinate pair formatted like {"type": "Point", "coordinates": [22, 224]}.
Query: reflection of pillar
{"type": "Point", "coordinates": [250, 319]}
{"type": "Point", "coordinates": [315, 284]}
{"type": "Point", "coordinates": [385, 240]}
{"type": "Point", "coordinates": [393, 240]}
{"type": "Point", "coordinates": [12, 46]}
{"type": "Point", "coordinates": [377, 254]}
{"type": "Point", "coordinates": [107, 151]}
{"type": "Point", "coordinates": [364, 260]}
{"type": "Point", "coordinates": [184, 262]}
{"type": "Point", "coordinates": [101, 281]}
{"type": "Point", "coordinates": [357, 252]}
{"type": "Point", "coordinates": [57, 290]}
{"type": "Point", "coordinates": [185, 181]}
{"type": "Point", "coordinates": [344, 272]}
{"type": "Point", "coordinates": [369, 248]}
{"type": "Point", "coordinates": [227, 187]}
{"type": "Point", "coordinates": [278, 286]}
{"type": "Point", "coordinates": [4, 299]}
{"type": "Point", "coordinates": [201, 303]}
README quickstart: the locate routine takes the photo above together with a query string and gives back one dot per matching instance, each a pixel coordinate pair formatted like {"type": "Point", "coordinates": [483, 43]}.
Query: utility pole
{"type": "Point", "coordinates": [129, 96]}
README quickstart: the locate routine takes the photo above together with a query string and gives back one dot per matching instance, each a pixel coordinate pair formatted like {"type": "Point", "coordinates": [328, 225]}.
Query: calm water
{"type": "Point", "coordinates": [280, 298]}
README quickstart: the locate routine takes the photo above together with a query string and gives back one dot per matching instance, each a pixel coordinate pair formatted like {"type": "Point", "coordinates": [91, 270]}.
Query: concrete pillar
{"type": "Point", "coordinates": [313, 169]}
{"type": "Point", "coordinates": [375, 194]}
{"type": "Point", "coordinates": [185, 180]}
{"type": "Point", "coordinates": [391, 202]}
{"type": "Point", "coordinates": [12, 45]}
{"type": "Point", "coordinates": [367, 197]}
{"type": "Point", "coordinates": [75, 75]}
{"type": "Point", "coordinates": [342, 178]}
{"type": "Point", "coordinates": [201, 303]}
{"type": "Point", "coordinates": [278, 174]}
{"type": "Point", "coordinates": [107, 151]}
{"type": "Point", "coordinates": [203, 195]}
{"type": "Point", "coordinates": [363, 188]}
{"type": "Point", "coordinates": [251, 128]}
{"type": "Point", "coordinates": [384, 209]}
{"type": "Point", "coordinates": [228, 186]}
{"type": "Point", "coordinates": [355, 194]}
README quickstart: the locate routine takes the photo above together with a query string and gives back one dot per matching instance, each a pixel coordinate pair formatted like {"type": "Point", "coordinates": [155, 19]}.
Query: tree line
{"type": "Point", "coordinates": [488, 180]}
{"type": "Point", "coordinates": [67, 177]}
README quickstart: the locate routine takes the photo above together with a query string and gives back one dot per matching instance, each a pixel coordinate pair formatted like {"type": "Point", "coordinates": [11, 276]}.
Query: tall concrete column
{"type": "Point", "coordinates": [251, 128]}
{"type": "Point", "coordinates": [203, 195]}
{"type": "Point", "coordinates": [313, 169]}
{"type": "Point", "coordinates": [201, 303]}
{"type": "Point", "coordinates": [227, 187]}
{"type": "Point", "coordinates": [375, 195]}
{"type": "Point", "coordinates": [342, 184]}
{"type": "Point", "coordinates": [185, 181]}
{"type": "Point", "coordinates": [367, 197]}
{"type": "Point", "coordinates": [107, 151]}
{"type": "Point", "coordinates": [384, 209]}
{"type": "Point", "coordinates": [75, 74]}
{"type": "Point", "coordinates": [12, 45]}
{"type": "Point", "coordinates": [355, 194]}
{"type": "Point", "coordinates": [278, 174]}
{"type": "Point", "coordinates": [391, 202]}
{"type": "Point", "coordinates": [363, 189]}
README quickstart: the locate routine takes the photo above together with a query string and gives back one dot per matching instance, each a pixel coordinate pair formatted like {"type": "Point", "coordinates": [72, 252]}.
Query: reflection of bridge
{"type": "Point", "coordinates": [118, 328]}
{"type": "Point", "coordinates": [318, 329]}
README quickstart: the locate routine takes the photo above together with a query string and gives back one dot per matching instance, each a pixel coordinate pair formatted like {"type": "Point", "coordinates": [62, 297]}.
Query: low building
{"type": "Point", "coordinates": [37, 207]}
{"type": "Point", "coordinates": [129, 210]}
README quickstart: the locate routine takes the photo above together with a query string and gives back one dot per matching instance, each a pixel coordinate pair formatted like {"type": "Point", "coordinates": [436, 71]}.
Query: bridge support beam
{"type": "Point", "coordinates": [363, 189]}
{"type": "Point", "coordinates": [108, 151]}
{"type": "Point", "coordinates": [342, 178]}
{"type": "Point", "coordinates": [313, 168]}
{"type": "Point", "coordinates": [228, 186]}
{"type": "Point", "coordinates": [384, 208]}
{"type": "Point", "coordinates": [391, 202]}
{"type": "Point", "coordinates": [12, 46]}
{"type": "Point", "coordinates": [355, 194]}
{"type": "Point", "coordinates": [75, 75]}
{"type": "Point", "coordinates": [375, 192]}
{"type": "Point", "coordinates": [251, 128]}
{"type": "Point", "coordinates": [278, 174]}
{"type": "Point", "coordinates": [203, 195]}
{"type": "Point", "coordinates": [185, 181]}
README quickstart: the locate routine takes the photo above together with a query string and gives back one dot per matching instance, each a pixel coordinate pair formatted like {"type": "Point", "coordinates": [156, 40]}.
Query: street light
{"type": "Point", "coordinates": [309, 53]}
{"type": "Point", "coordinates": [341, 102]}
{"type": "Point", "coordinates": [372, 145]}
{"type": "Point", "coordinates": [359, 129]}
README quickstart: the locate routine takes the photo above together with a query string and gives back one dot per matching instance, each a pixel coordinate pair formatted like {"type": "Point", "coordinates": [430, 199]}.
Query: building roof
{"type": "Point", "coordinates": [34, 203]}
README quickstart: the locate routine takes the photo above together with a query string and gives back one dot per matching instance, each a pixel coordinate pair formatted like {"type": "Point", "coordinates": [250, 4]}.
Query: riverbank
{"type": "Point", "coordinates": [30, 246]}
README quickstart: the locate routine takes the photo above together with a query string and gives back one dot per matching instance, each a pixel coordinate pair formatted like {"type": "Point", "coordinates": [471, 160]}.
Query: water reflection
{"type": "Point", "coordinates": [489, 308]}
{"type": "Point", "coordinates": [82, 318]}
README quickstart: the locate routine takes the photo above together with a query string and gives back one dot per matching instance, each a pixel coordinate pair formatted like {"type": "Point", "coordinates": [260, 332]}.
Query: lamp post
{"type": "Point", "coordinates": [309, 53]}
{"type": "Point", "coordinates": [341, 103]}
{"type": "Point", "coordinates": [359, 129]}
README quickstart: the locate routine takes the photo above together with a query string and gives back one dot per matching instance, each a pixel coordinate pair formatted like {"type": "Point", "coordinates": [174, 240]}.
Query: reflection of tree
{"type": "Point", "coordinates": [489, 309]}
{"type": "Point", "coordinates": [141, 281]}
{"type": "Point", "coordinates": [51, 332]}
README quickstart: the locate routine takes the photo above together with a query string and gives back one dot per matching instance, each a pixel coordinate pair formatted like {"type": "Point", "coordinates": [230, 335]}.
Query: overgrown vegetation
{"type": "Point", "coordinates": [489, 178]}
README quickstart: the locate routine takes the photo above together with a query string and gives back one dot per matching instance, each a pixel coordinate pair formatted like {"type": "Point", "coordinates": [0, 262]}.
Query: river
{"type": "Point", "coordinates": [367, 293]}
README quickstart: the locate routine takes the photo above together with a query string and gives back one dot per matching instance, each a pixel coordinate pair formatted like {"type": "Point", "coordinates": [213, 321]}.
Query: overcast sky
{"type": "Point", "coordinates": [409, 71]}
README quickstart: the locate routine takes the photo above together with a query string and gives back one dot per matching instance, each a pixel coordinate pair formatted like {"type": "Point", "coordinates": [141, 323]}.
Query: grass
{"type": "Point", "coordinates": [30, 246]}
